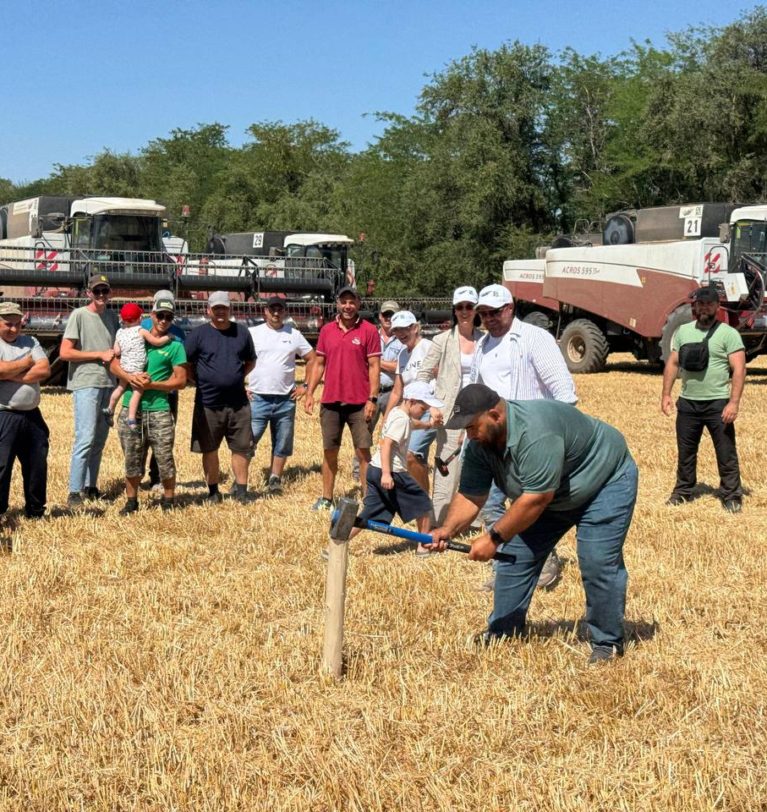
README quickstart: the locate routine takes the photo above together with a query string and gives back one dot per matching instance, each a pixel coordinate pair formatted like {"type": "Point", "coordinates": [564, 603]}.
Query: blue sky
{"type": "Point", "coordinates": [78, 77]}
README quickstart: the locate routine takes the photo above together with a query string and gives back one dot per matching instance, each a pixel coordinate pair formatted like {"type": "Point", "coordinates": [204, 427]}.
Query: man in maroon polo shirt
{"type": "Point", "coordinates": [349, 356]}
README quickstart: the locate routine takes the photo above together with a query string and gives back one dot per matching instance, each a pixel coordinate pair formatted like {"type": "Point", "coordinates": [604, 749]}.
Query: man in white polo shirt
{"type": "Point", "coordinates": [271, 385]}
{"type": "Point", "coordinates": [520, 362]}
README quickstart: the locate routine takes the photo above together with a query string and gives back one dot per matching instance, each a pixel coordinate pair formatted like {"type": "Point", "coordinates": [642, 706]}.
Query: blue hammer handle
{"type": "Point", "coordinates": [423, 538]}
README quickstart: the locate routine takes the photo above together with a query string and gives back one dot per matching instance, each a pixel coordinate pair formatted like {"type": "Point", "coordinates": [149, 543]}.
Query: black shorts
{"type": "Point", "coordinates": [333, 418]}
{"type": "Point", "coordinates": [406, 499]}
{"type": "Point", "coordinates": [211, 426]}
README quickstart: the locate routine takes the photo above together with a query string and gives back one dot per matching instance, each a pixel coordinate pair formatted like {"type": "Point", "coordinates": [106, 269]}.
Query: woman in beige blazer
{"type": "Point", "coordinates": [451, 356]}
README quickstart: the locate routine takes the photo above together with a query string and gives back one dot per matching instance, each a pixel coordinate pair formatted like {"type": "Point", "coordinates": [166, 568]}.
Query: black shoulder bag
{"type": "Point", "coordinates": [693, 357]}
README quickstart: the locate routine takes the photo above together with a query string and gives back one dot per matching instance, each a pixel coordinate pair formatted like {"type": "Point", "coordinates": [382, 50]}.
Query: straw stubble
{"type": "Point", "coordinates": [171, 661]}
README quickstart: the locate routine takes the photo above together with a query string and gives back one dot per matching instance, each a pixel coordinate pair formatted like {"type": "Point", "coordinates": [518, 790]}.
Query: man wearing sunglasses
{"type": "Point", "coordinates": [520, 362]}
{"type": "Point", "coordinates": [87, 346]}
{"type": "Point", "coordinates": [165, 373]}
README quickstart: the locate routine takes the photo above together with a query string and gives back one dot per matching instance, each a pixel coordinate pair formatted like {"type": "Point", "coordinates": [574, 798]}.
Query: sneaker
{"type": "Point", "coordinates": [109, 417]}
{"type": "Point", "coordinates": [323, 504]}
{"type": "Point", "coordinates": [676, 499]}
{"type": "Point", "coordinates": [484, 639]}
{"type": "Point", "coordinates": [75, 500]}
{"type": "Point", "coordinates": [551, 572]}
{"type": "Point", "coordinates": [241, 497]}
{"type": "Point", "coordinates": [131, 506]}
{"type": "Point", "coordinates": [167, 504]}
{"type": "Point", "coordinates": [604, 654]}
{"type": "Point", "coordinates": [275, 484]}
{"type": "Point", "coordinates": [732, 505]}
{"type": "Point", "coordinates": [214, 498]}
{"type": "Point", "coordinates": [93, 494]}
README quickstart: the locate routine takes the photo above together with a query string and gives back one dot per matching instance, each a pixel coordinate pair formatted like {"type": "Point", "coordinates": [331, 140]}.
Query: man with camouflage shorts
{"type": "Point", "coordinates": [165, 373]}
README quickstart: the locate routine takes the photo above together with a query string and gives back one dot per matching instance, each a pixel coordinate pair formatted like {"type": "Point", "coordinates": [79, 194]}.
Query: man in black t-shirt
{"type": "Point", "coordinates": [220, 356]}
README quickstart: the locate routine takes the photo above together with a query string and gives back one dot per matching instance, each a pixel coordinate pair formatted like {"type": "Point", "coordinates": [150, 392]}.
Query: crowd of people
{"type": "Point", "coordinates": [498, 403]}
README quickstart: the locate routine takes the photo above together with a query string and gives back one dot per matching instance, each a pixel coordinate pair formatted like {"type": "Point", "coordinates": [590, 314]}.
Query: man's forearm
{"type": "Point", "coordinates": [670, 372]}
{"type": "Point", "coordinates": [462, 513]}
{"type": "Point", "coordinates": [374, 375]}
{"type": "Point", "coordinates": [10, 370]}
{"type": "Point", "coordinates": [316, 374]}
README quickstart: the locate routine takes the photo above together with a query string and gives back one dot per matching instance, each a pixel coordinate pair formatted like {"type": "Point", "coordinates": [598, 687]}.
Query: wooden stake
{"type": "Point", "coordinates": [335, 600]}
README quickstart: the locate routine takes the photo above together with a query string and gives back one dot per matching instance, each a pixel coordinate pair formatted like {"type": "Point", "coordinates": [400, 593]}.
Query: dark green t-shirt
{"type": "Point", "coordinates": [159, 366]}
{"type": "Point", "coordinates": [550, 446]}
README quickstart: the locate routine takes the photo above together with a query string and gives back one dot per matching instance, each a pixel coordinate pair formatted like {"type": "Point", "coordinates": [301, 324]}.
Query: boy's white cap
{"type": "Point", "coordinates": [402, 318]}
{"type": "Point", "coordinates": [420, 390]}
{"type": "Point", "coordinates": [494, 296]}
{"type": "Point", "coordinates": [465, 294]}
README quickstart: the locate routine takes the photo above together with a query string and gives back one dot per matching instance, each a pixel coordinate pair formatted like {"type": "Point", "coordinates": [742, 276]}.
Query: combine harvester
{"type": "Point", "coordinates": [630, 292]}
{"type": "Point", "coordinates": [49, 246]}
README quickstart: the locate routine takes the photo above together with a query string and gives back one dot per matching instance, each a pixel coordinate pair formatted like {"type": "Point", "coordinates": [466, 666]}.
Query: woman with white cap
{"type": "Point", "coordinates": [406, 328]}
{"type": "Point", "coordinates": [448, 363]}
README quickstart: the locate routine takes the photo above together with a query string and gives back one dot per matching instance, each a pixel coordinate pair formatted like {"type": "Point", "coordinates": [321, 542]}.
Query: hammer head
{"type": "Point", "coordinates": [342, 519]}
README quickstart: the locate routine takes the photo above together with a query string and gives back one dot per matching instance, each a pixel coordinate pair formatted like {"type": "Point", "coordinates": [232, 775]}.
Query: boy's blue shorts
{"type": "Point", "coordinates": [406, 499]}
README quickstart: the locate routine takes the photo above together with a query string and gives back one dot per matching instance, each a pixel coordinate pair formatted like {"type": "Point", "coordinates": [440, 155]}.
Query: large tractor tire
{"type": "Point", "coordinates": [584, 346]}
{"type": "Point", "coordinates": [538, 319]}
{"type": "Point", "coordinates": [676, 318]}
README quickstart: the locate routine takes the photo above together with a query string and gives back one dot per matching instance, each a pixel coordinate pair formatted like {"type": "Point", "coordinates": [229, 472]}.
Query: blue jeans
{"type": "Point", "coordinates": [494, 507]}
{"type": "Point", "coordinates": [279, 413]}
{"type": "Point", "coordinates": [602, 525]}
{"type": "Point", "coordinates": [91, 430]}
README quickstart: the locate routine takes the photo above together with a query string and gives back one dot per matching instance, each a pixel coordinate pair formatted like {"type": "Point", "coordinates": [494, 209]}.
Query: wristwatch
{"type": "Point", "coordinates": [495, 536]}
{"type": "Point", "coordinates": [373, 400]}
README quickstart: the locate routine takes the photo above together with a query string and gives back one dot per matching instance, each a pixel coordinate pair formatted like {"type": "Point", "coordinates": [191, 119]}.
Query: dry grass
{"type": "Point", "coordinates": [171, 662]}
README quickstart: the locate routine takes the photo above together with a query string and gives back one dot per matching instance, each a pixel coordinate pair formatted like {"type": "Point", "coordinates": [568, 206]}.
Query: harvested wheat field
{"type": "Point", "coordinates": [172, 661]}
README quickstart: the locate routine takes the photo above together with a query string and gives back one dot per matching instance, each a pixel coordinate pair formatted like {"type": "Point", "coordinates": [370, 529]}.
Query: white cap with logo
{"type": "Point", "coordinates": [494, 296]}
{"type": "Point", "coordinates": [465, 294]}
{"type": "Point", "coordinates": [402, 318]}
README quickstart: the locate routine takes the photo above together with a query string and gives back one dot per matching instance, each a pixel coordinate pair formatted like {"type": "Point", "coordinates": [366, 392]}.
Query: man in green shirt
{"type": "Point", "coordinates": [708, 400]}
{"type": "Point", "coordinates": [165, 373]}
{"type": "Point", "coordinates": [562, 469]}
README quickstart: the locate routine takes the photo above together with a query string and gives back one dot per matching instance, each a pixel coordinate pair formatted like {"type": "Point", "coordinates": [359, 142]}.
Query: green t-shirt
{"type": "Point", "coordinates": [550, 446]}
{"type": "Point", "coordinates": [159, 366]}
{"type": "Point", "coordinates": [91, 332]}
{"type": "Point", "coordinates": [712, 383]}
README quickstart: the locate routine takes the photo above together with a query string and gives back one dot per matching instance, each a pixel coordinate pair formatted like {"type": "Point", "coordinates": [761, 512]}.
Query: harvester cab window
{"type": "Point", "coordinates": [750, 237]}
{"type": "Point", "coordinates": [126, 233]}
{"type": "Point", "coordinates": [81, 232]}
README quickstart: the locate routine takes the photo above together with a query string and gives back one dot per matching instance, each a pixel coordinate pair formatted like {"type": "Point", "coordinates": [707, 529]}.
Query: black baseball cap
{"type": "Point", "coordinates": [471, 401]}
{"type": "Point", "coordinates": [347, 289]}
{"type": "Point", "coordinates": [272, 301]}
{"type": "Point", "coordinates": [707, 294]}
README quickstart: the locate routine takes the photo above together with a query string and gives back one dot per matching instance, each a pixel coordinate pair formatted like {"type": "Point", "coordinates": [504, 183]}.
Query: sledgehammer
{"type": "Point", "coordinates": [344, 519]}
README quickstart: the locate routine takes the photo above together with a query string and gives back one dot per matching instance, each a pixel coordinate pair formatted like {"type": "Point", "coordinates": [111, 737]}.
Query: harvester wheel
{"type": "Point", "coordinates": [538, 319]}
{"type": "Point", "coordinates": [584, 346]}
{"type": "Point", "coordinates": [676, 318]}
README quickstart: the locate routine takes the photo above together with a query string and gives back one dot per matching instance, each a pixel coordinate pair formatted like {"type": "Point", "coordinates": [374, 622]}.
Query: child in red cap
{"type": "Point", "coordinates": [131, 350]}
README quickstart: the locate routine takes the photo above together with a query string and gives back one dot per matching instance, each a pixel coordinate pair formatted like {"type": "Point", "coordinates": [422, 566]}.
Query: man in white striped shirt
{"type": "Point", "coordinates": [520, 362]}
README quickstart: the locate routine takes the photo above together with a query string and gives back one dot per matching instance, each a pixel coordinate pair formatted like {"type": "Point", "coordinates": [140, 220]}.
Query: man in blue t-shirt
{"type": "Point", "coordinates": [562, 469]}
{"type": "Point", "coordinates": [221, 355]}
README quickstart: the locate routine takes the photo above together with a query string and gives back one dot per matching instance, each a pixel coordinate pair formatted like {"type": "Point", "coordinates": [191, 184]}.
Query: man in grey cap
{"type": "Point", "coordinates": [88, 346]}
{"type": "Point", "coordinates": [23, 432]}
{"type": "Point", "coordinates": [221, 355]}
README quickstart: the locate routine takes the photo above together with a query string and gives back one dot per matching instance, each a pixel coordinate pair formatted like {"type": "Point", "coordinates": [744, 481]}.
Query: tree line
{"type": "Point", "coordinates": [505, 149]}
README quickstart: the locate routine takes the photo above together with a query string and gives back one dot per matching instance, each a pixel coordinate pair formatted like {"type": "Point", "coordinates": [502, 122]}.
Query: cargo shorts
{"type": "Point", "coordinates": [156, 430]}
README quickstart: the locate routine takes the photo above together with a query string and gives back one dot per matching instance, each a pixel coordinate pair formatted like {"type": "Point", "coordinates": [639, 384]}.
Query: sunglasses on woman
{"type": "Point", "coordinates": [460, 307]}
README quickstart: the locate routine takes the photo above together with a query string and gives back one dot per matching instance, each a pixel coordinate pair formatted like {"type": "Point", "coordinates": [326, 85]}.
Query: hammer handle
{"type": "Point", "coordinates": [422, 538]}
